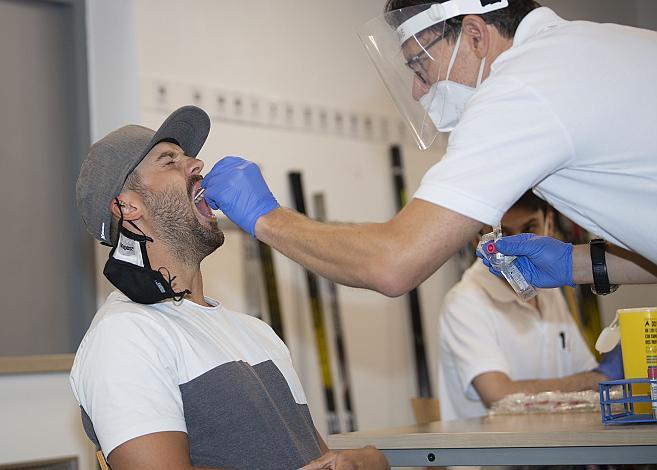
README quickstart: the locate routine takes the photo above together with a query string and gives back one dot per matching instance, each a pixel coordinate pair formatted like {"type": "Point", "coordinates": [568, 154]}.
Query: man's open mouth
{"type": "Point", "coordinates": [199, 195]}
{"type": "Point", "coordinates": [200, 203]}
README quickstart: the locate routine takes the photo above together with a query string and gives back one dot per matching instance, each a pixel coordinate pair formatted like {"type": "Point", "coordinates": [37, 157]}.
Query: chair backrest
{"type": "Point", "coordinates": [425, 410]}
{"type": "Point", "coordinates": [101, 460]}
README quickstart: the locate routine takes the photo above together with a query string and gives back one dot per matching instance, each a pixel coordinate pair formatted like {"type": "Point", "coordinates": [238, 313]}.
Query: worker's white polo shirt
{"type": "Point", "coordinates": [570, 109]}
{"type": "Point", "coordinates": [484, 326]}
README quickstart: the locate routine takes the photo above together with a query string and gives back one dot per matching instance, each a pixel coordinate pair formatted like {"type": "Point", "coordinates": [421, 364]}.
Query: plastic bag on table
{"type": "Point", "coordinates": [546, 402]}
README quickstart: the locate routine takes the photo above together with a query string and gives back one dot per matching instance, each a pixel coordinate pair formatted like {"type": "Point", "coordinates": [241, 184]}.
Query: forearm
{"type": "Point", "coordinates": [572, 383]}
{"type": "Point", "coordinates": [623, 267]}
{"type": "Point", "coordinates": [350, 254]}
{"type": "Point", "coordinates": [137, 463]}
{"type": "Point", "coordinates": [494, 386]}
{"type": "Point", "coordinates": [147, 465]}
{"type": "Point", "coordinates": [391, 257]}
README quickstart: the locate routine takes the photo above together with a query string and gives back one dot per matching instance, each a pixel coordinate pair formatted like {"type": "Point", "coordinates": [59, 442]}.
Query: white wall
{"type": "Point", "coordinates": [40, 420]}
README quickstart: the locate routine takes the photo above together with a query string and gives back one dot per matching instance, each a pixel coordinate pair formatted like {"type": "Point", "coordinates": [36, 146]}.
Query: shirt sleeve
{"type": "Point", "coordinates": [507, 142]}
{"type": "Point", "coordinates": [125, 380]}
{"type": "Point", "coordinates": [467, 330]}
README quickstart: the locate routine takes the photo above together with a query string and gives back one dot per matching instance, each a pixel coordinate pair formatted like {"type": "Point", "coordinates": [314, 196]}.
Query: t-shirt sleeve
{"type": "Point", "coordinates": [124, 379]}
{"type": "Point", "coordinates": [468, 332]}
{"type": "Point", "coordinates": [507, 142]}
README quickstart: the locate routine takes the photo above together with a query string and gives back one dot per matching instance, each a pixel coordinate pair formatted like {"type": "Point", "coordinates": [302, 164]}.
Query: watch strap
{"type": "Point", "coordinates": [601, 285]}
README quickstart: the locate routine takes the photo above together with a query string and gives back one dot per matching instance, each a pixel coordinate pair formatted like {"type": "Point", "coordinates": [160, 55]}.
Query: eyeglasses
{"type": "Point", "coordinates": [418, 62]}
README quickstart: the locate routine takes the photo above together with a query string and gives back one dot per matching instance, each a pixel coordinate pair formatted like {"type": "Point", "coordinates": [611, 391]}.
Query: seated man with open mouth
{"type": "Point", "coordinates": [165, 376]}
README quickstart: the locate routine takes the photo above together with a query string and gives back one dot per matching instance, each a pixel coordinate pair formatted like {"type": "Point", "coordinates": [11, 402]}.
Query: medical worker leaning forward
{"type": "Point", "coordinates": [567, 108]}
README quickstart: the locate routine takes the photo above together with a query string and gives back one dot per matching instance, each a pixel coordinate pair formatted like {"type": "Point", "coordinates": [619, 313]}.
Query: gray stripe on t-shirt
{"type": "Point", "coordinates": [240, 416]}
{"type": "Point", "coordinates": [245, 417]}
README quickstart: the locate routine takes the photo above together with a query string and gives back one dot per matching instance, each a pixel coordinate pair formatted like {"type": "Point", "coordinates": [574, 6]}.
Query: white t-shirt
{"type": "Point", "coordinates": [571, 111]}
{"type": "Point", "coordinates": [222, 377]}
{"type": "Point", "coordinates": [484, 327]}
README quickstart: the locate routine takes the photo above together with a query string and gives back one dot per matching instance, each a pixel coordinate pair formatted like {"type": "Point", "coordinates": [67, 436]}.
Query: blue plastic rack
{"type": "Point", "coordinates": [621, 410]}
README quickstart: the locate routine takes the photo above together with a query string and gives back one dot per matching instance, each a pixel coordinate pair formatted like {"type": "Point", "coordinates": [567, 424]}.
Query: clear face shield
{"type": "Point", "coordinates": [409, 50]}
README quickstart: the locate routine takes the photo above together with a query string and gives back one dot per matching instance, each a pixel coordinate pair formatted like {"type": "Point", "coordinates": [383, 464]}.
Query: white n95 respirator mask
{"type": "Point", "coordinates": [445, 101]}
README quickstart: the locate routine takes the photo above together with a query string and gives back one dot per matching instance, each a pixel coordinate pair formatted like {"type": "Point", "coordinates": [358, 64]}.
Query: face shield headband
{"type": "Point", "coordinates": [129, 270]}
{"type": "Point", "coordinates": [440, 12]}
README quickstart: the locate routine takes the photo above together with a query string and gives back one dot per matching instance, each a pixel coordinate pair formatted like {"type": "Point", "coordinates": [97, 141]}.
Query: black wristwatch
{"type": "Point", "coordinates": [601, 285]}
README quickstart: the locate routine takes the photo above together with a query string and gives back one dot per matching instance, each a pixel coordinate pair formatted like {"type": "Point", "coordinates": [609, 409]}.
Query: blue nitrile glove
{"type": "Point", "coordinates": [544, 261]}
{"type": "Point", "coordinates": [237, 187]}
{"type": "Point", "coordinates": [611, 364]}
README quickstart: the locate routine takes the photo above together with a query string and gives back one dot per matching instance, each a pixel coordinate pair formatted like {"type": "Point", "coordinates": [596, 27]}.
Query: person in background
{"type": "Point", "coordinates": [166, 377]}
{"type": "Point", "coordinates": [493, 344]}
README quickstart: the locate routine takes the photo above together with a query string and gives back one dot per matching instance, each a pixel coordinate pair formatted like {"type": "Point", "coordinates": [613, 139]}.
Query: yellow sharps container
{"type": "Point", "coordinates": [638, 330]}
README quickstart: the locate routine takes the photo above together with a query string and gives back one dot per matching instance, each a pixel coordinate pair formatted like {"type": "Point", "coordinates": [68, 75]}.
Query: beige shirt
{"type": "Point", "coordinates": [484, 326]}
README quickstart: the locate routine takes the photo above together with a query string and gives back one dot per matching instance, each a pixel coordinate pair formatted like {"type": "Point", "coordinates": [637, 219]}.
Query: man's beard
{"type": "Point", "coordinates": [176, 225]}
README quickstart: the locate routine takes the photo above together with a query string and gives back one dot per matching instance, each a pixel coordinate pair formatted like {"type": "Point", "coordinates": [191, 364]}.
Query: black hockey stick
{"type": "Point", "coordinates": [343, 366]}
{"type": "Point", "coordinates": [317, 312]}
{"type": "Point", "coordinates": [271, 289]}
{"type": "Point", "coordinates": [421, 366]}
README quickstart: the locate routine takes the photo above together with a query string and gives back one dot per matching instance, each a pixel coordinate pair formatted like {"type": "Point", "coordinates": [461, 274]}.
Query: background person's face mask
{"type": "Point", "coordinates": [445, 101]}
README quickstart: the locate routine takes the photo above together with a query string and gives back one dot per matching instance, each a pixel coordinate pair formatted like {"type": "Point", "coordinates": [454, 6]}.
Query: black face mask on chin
{"type": "Point", "coordinates": [129, 270]}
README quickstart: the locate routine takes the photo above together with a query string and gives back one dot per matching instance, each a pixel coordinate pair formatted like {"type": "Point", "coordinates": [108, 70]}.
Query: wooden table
{"type": "Point", "coordinates": [536, 439]}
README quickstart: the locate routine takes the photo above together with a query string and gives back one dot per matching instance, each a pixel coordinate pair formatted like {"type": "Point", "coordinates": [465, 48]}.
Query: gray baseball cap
{"type": "Point", "coordinates": [112, 159]}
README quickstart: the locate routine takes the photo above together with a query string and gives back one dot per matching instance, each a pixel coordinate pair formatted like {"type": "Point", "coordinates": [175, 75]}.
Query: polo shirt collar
{"type": "Point", "coordinates": [495, 287]}
{"type": "Point", "coordinates": [535, 22]}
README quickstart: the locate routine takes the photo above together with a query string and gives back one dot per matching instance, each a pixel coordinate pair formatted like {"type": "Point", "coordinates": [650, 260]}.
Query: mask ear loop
{"type": "Point", "coordinates": [454, 54]}
{"type": "Point", "coordinates": [120, 205]}
{"type": "Point", "coordinates": [177, 296]}
{"type": "Point", "coordinates": [481, 72]}
{"type": "Point", "coordinates": [452, 59]}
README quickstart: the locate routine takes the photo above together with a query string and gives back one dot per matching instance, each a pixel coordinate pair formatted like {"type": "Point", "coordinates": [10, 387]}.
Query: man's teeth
{"type": "Point", "coordinates": [199, 195]}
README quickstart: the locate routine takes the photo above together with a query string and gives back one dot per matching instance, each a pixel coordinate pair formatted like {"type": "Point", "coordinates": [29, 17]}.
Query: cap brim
{"type": "Point", "coordinates": [188, 126]}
